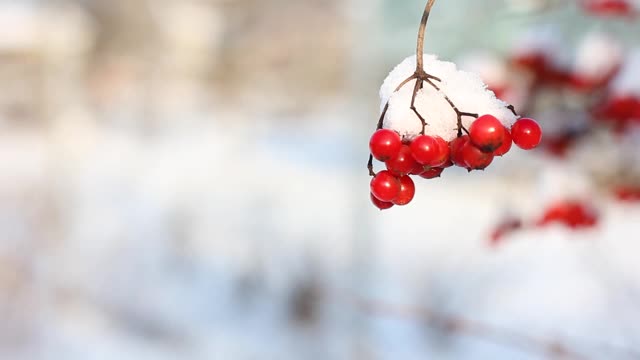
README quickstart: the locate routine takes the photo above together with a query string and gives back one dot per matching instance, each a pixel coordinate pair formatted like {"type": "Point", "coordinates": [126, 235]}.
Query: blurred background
{"type": "Point", "coordinates": [186, 179]}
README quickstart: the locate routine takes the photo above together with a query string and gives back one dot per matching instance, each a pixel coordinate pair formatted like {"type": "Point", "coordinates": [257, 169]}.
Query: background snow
{"type": "Point", "coordinates": [146, 229]}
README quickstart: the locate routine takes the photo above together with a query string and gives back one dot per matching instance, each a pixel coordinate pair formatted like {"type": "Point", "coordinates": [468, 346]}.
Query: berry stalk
{"type": "Point", "coordinates": [421, 32]}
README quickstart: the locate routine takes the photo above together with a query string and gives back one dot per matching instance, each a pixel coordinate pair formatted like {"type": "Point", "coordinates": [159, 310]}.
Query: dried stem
{"type": "Point", "coordinates": [465, 327]}
{"type": "Point", "coordinates": [421, 32]}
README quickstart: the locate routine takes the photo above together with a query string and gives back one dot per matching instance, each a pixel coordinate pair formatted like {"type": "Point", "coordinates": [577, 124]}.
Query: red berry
{"type": "Point", "coordinates": [385, 144]}
{"type": "Point", "coordinates": [425, 150]}
{"type": "Point", "coordinates": [382, 205]}
{"type": "Point", "coordinates": [456, 146]}
{"type": "Point", "coordinates": [474, 158]}
{"type": "Point", "coordinates": [526, 133]}
{"type": "Point", "coordinates": [418, 169]}
{"type": "Point", "coordinates": [432, 173]}
{"type": "Point", "coordinates": [444, 153]}
{"type": "Point", "coordinates": [448, 163]}
{"type": "Point", "coordinates": [487, 133]}
{"type": "Point", "coordinates": [385, 187]}
{"type": "Point", "coordinates": [403, 163]}
{"type": "Point", "coordinates": [506, 144]}
{"type": "Point", "coordinates": [407, 191]}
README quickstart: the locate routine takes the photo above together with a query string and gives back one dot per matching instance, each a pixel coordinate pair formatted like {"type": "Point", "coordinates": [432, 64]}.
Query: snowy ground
{"type": "Point", "coordinates": [193, 242]}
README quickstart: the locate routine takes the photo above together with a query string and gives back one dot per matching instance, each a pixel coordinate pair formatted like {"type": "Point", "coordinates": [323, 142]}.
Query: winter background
{"type": "Point", "coordinates": [186, 180]}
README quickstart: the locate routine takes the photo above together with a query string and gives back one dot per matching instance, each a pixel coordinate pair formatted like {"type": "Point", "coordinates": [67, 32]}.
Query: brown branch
{"type": "Point", "coordinates": [464, 327]}
{"type": "Point", "coordinates": [459, 114]}
{"type": "Point", "coordinates": [421, 32]}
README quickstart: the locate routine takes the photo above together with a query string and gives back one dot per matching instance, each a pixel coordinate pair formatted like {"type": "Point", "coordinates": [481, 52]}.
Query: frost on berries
{"type": "Point", "coordinates": [426, 107]}
{"type": "Point", "coordinates": [466, 91]}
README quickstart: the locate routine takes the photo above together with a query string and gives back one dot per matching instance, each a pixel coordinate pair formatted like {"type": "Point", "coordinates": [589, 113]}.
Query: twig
{"type": "Point", "coordinates": [421, 32]}
{"type": "Point", "coordinates": [462, 326]}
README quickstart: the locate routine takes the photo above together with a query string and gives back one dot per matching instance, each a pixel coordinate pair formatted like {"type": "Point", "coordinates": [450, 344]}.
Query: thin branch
{"type": "Point", "coordinates": [421, 32]}
{"type": "Point", "coordinates": [459, 114]}
{"type": "Point", "coordinates": [462, 326]}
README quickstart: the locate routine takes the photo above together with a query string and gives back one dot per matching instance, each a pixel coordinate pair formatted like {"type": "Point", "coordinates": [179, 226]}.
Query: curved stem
{"type": "Point", "coordinates": [421, 31]}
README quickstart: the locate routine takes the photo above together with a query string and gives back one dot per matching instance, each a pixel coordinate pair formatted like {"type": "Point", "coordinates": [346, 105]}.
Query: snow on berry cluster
{"type": "Point", "coordinates": [466, 90]}
{"type": "Point", "coordinates": [425, 139]}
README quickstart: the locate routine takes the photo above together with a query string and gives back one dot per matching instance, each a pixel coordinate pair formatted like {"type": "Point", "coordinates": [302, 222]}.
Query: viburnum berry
{"type": "Point", "coordinates": [432, 173]}
{"type": "Point", "coordinates": [456, 146]}
{"type": "Point", "coordinates": [385, 144]}
{"type": "Point", "coordinates": [506, 144]}
{"type": "Point", "coordinates": [487, 133]}
{"type": "Point", "coordinates": [382, 205]}
{"type": "Point", "coordinates": [426, 150]}
{"type": "Point", "coordinates": [474, 158]}
{"type": "Point", "coordinates": [418, 169]}
{"type": "Point", "coordinates": [407, 191]}
{"type": "Point", "coordinates": [403, 163]}
{"type": "Point", "coordinates": [445, 153]}
{"type": "Point", "coordinates": [526, 133]}
{"type": "Point", "coordinates": [385, 187]}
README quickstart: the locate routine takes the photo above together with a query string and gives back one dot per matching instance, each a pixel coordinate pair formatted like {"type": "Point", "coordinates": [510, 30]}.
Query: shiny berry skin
{"type": "Point", "coordinates": [474, 158]}
{"type": "Point", "coordinates": [385, 144]}
{"type": "Point", "coordinates": [403, 163]}
{"type": "Point", "coordinates": [385, 187]}
{"type": "Point", "coordinates": [456, 146]}
{"type": "Point", "coordinates": [487, 133]}
{"type": "Point", "coordinates": [526, 133]}
{"type": "Point", "coordinates": [506, 144]}
{"type": "Point", "coordinates": [382, 205]}
{"type": "Point", "coordinates": [407, 191]}
{"type": "Point", "coordinates": [432, 173]}
{"type": "Point", "coordinates": [426, 150]}
{"type": "Point", "coordinates": [444, 154]}
{"type": "Point", "coordinates": [418, 169]}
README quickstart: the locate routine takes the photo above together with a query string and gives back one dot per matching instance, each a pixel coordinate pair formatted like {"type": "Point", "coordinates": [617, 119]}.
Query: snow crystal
{"type": "Point", "coordinates": [627, 82]}
{"type": "Point", "coordinates": [466, 91]}
{"type": "Point", "coordinates": [598, 56]}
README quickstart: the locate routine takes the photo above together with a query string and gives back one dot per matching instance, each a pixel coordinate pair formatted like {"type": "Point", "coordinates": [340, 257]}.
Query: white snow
{"type": "Point", "coordinates": [466, 90]}
{"type": "Point", "coordinates": [598, 55]}
{"type": "Point", "coordinates": [545, 40]}
{"type": "Point", "coordinates": [627, 82]}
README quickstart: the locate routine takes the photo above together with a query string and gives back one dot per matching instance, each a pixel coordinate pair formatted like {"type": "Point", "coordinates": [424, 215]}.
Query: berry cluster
{"type": "Point", "coordinates": [571, 213]}
{"type": "Point", "coordinates": [627, 193]}
{"type": "Point", "coordinates": [428, 156]}
{"type": "Point", "coordinates": [574, 214]}
{"type": "Point", "coordinates": [619, 8]}
{"type": "Point", "coordinates": [619, 111]}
